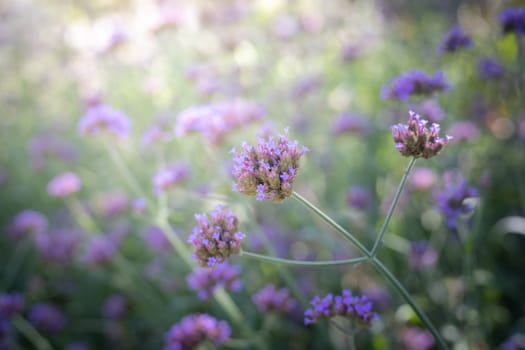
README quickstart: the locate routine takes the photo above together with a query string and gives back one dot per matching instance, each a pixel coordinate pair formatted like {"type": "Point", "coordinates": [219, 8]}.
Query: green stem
{"type": "Point", "coordinates": [302, 263]}
{"type": "Point", "coordinates": [332, 223]}
{"type": "Point", "coordinates": [408, 298]}
{"type": "Point", "coordinates": [31, 333]}
{"type": "Point", "coordinates": [15, 262]}
{"type": "Point", "coordinates": [393, 206]}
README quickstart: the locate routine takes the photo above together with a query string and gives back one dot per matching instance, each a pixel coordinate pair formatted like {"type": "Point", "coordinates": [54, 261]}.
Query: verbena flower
{"type": "Point", "coordinates": [115, 306]}
{"type": "Point", "coordinates": [44, 146]}
{"type": "Point", "coordinates": [490, 68]}
{"type": "Point", "coordinates": [453, 40]}
{"type": "Point", "coordinates": [463, 130]}
{"type": "Point", "coordinates": [422, 179]}
{"type": "Point", "coordinates": [414, 338]}
{"type": "Point", "coordinates": [110, 204]}
{"type": "Point", "coordinates": [100, 250]}
{"type": "Point", "coordinates": [414, 82]}
{"type": "Point", "coordinates": [205, 281]}
{"type": "Point", "coordinates": [77, 346]}
{"type": "Point", "coordinates": [156, 239]}
{"type": "Point", "coordinates": [58, 246]}
{"type": "Point", "coordinates": [102, 117]}
{"type": "Point", "coordinates": [269, 299]}
{"type": "Point", "coordinates": [47, 318]}
{"type": "Point", "coordinates": [515, 342]}
{"type": "Point", "coordinates": [422, 255]}
{"type": "Point", "coordinates": [513, 20]}
{"type": "Point", "coordinates": [63, 185]}
{"type": "Point", "coordinates": [215, 237]}
{"type": "Point", "coordinates": [267, 170]}
{"type": "Point", "coordinates": [10, 304]}
{"type": "Point", "coordinates": [166, 178]}
{"type": "Point", "coordinates": [359, 197]}
{"type": "Point", "coordinates": [349, 123]}
{"type": "Point", "coordinates": [27, 223]}
{"type": "Point", "coordinates": [414, 139]}
{"type": "Point", "coordinates": [194, 329]}
{"type": "Point", "coordinates": [451, 198]}
{"type": "Point", "coordinates": [359, 308]}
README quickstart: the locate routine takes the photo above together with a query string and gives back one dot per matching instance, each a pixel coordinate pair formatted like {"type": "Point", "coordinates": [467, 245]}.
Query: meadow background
{"type": "Point", "coordinates": [112, 260]}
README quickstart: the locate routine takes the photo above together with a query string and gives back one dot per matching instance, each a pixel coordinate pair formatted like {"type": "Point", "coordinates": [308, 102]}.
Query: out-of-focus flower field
{"type": "Point", "coordinates": [154, 196]}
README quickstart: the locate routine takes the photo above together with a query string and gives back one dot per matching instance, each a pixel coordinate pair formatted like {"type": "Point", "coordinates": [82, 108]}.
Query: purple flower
{"type": "Point", "coordinates": [416, 140]}
{"type": "Point", "coordinates": [100, 250]}
{"type": "Point", "coordinates": [27, 222]}
{"type": "Point", "coordinates": [359, 197]}
{"type": "Point", "coordinates": [414, 82]}
{"type": "Point", "coordinates": [76, 346]}
{"type": "Point", "coordinates": [490, 68]}
{"type": "Point", "coordinates": [115, 306]}
{"type": "Point", "coordinates": [215, 237]}
{"type": "Point", "coordinates": [451, 198]}
{"type": "Point", "coordinates": [431, 110]}
{"type": "Point", "coordinates": [47, 318]}
{"type": "Point", "coordinates": [205, 281]}
{"type": "Point", "coordinates": [44, 146]}
{"type": "Point", "coordinates": [58, 246]}
{"type": "Point", "coordinates": [156, 239]}
{"type": "Point", "coordinates": [102, 117]}
{"type": "Point", "coordinates": [348, 123]}
{"type": "Point", "coordinates": [463, 130]}
{"type": "Point", "coordinates": [422, 178]}
{"type": "Point", "coordinates": [515, 342]}
{"type": "Point", "coordinates": [195, 328]}
{"type": "Point", "coordinates": [268, 170]}
{"type": "Point", "coordinates": [139, 205]}
{"type": "Point", "coordinates": [166, 178]}
{"type": "Point", "coordinates": [10, 304]}
{"type": "Point", "coordinates": [422, 255]}
{"type": "Point", "coordinates": [414, 338]}
{"type": "Point", "coordinates": [158, 132]}
{"type": "Point", "coordinates": [6, 335]}
{"type": "Point", "coordinates": [513, 20]}
{"type": "Point", "coordinates": [269, 299]}
{"type": "Point", "coordinates": [306, 85]}
{"type": "Point", "coordinates": [454, 40]}
{"type": "Point", "coordinates": [357, 307]}
{"type": "Point", "coordinates": [64, 185]}
{"type": "Point", "coordinates": [111, 204]}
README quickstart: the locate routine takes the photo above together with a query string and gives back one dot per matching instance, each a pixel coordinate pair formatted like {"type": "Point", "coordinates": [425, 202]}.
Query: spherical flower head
{"type": "Point", "coordinates": [267, 171]}
{"type": "Point", "coordinates": [359, 308]}
{"type": "Point", "coordinates": [512, 20]}
{"type": "Point", "coordinates": [194, 329]}
{"type": "Point", "coordinates": [47, 318]}
{"type": "Point", "coordinates": [28, 222]}
{"type": "Point", "coordinates": [490, 68]}
{"type": "Point", "coordinates": [10, 304]}
{"type": "Point", "coordinates": [454, 40]}
{"type": "Point", "coordinates": [205, 281]}
{"type": "Point", "coordinates": [102, 117]}
{"type": "Point", "coordinates": [59, 246]}
{"type": "Point", "coordinates": [64, 185]}
{"type": "Point", "coordinates": [215, 237]}
{"type": "Point", "coordinates": [414, 82]}
{"type": "Point", "coordinates": [269, 299]}
{"type": "Point", "coordinates": [100, 250]}
{"type": "Point", "coordinates": [414, 139]}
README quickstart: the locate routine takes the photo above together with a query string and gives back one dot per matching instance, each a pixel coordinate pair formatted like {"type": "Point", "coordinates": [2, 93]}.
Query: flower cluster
{"type": "Point", "coordinates": [115, 306]}
{"type": "Point", "coordinates": [215, 120]}
{"type": "Point", "coordinates": [28, 222]}
{"type": "Point", "coordinates": [64, 185]}
{"type": "Point", "coordinates": [454, 40]}
{"type": "Point", "coordinates": [269, 299]}
{"type": "Point", "coordinates": [58, 246]}
{"type": "Point", "coordinates": [215, 239]}
{"type": "Point", "coordinates": [206, 281]}
{"type": "Point", "coordinates": [490, 68]}
{"type": "Point", "coordinates": [268, 170]}
{"type": "Point", "coordinates": [348, 123]}
{"type": "Point", "coordinates": [414, 338]}
{"type": "Point", "coordinates": [100, 250]}
{"type": "Point", "coordinates": [359, 197]}
{"type": "Point", "coordinates": [414, 82]}
{"type": "Point", "coordinates": [451, 199]}
{"type": "Point", "coordinates": [513, 20]}
{"type": "Point", "coordinates": [168, 177]}
{"type": "Point", "coordinates": [156, 239]}
{"type": "Point", "coordinates": [194, 329]}
{"type": "Point", "coordinates": [416, 140]}
{"type": "Point", "coordinates": [47, 318]}
{"type": "Point", "coordinates": [346, 304]}
{"type": "Point", "coordinates": [10, 303]}
{"type": "Point", "coordinates": [103, 117]}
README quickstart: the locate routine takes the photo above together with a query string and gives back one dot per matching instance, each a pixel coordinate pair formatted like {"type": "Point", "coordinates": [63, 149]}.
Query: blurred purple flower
{"type": "Point", "coordinates": [414, 82]}
{"type": "Point", "coordinates": [268, 170]}
{"type": "Point", "coordinates": [490, 68]}
{"type": "Point", "coordinates": [422, 179]}
{"type": "Point", "coordinates": [10, 304]}
{"type": "Point", "coordinates": [139, 204]}
{"type": "Point", "coordinates": [103, 117]}
{"type": "Point", "coordinates": [115, 306]}
{"type": "Point", "coordinates": [27, 223]}
{"type": "Point", "coordinates": [269, 299]}
{"type": "Point", "coordinates": [285, 26]}
{"type": "Point", "coordinates": [359, 197]}
{"type": "Point", "coordinates": [166, 178]}
{"type": "Point", "coordinates": [463, 130]}
{"type": "Point", "coordinates": [195, 328]}
{"type": "Point", "coordinates": [431, 110]}
{"type": "Point", "coordinates": [158, 132]}
{"type": "Point", "coordinates": [416, 140]}
{"type": "Point", "coordinates": [64, 185]}
{"type": "Point", "coordinates": [216, 239]}
{"type": "Point", "coordinates": [346, 304]}
{"type": "Point", "coordinates": [414, 338]}
{"type": "Point", "coordinates": [58, 246]}
{"type": "Point", "coordinates": [306, 85]}
{"type": "Point", "coordinates": [111, 204]}
{"type": "Point", "coordinates": [100, 250]}
{"type": "Point", "coordinates": [350, 52]}
{"type": "Point", "coordinates": [47, 318]}
{"type": "Point", "coordinates": [451, 198]}
{"type": "Point", "coordinates": [156, 239]}
{"type": "Point", "coordinates": [515, 342]}
{"type": "Point", "coordinates": [349, 123]}
{"type": "Point", "coordinates": [422, 255]}
{"type": "Point", "coordinates": [513, 20]}
{"type": "Point", "coordinates": [7, 340]}
{"type": "Point", "coordinates": [453, 40]}
{"type": "Point", "coordinates": [205, 281]}
{"type": "Point", "coordinates": [50, 146]}
{"type": "Point", "coordinates": [77, 346]}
